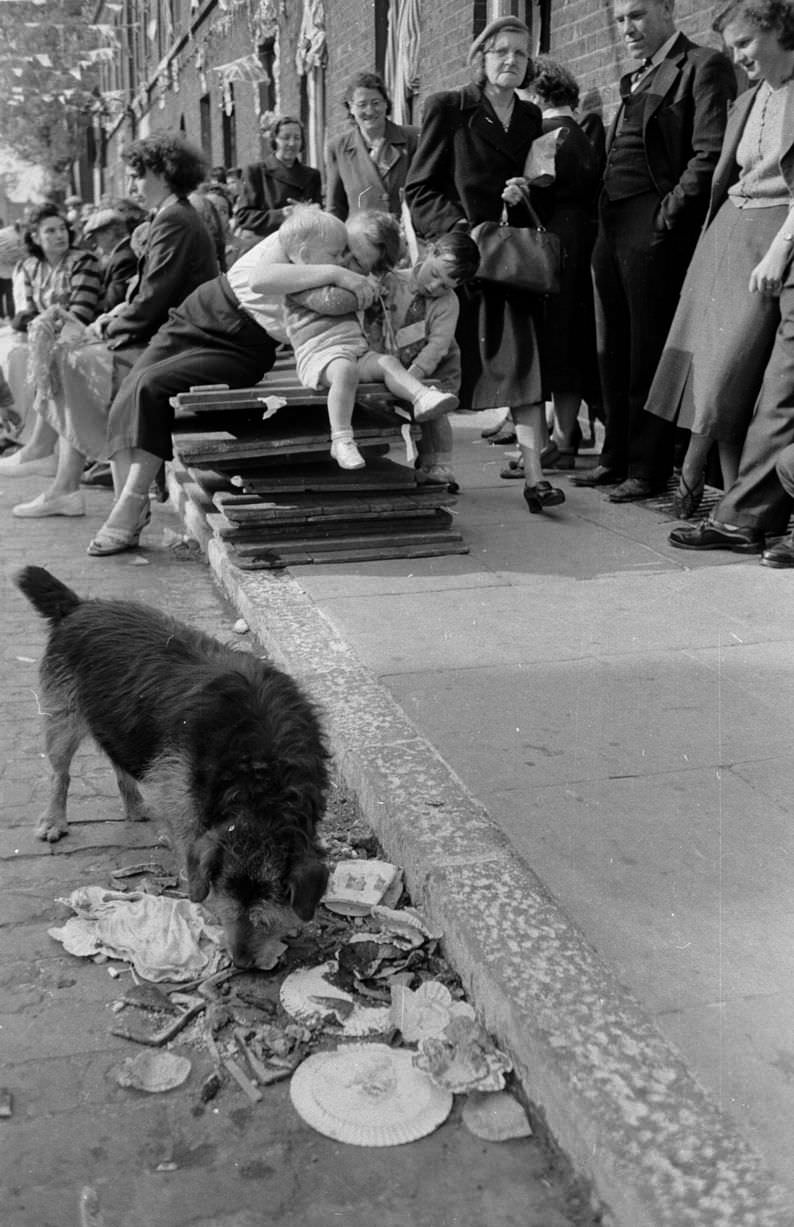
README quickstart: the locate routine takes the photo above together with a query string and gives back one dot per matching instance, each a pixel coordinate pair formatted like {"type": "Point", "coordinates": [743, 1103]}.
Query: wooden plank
{"type": "Point", "coordinates": [322, 543]}
{"type": "Point", "coordinates": [268, 534]}
{"type": "Point", "coordinates": [246, 509]}
{"type": "Point", "coordinates": [380, 474]}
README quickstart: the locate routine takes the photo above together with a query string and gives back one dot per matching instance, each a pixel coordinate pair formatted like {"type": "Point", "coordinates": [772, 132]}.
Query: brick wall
{"type": "Point", "coordinates": [584, 37]}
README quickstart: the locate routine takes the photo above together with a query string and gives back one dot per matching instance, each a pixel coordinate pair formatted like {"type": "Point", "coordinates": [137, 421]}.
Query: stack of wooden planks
{"type": "Point", "coordinates": [263, 455]}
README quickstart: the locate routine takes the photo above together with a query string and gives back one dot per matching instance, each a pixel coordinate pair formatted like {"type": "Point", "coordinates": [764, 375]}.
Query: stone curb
{"type": "Point", "coordinates": [616, 1095]}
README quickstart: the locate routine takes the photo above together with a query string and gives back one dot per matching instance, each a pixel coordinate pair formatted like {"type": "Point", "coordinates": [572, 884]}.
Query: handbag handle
{"type": "Point", "coordinates": [533, 217]}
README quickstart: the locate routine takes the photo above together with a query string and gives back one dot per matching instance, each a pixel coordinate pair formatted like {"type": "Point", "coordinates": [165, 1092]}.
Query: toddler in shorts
{"type": "Point", "coordinates": [326, 333]}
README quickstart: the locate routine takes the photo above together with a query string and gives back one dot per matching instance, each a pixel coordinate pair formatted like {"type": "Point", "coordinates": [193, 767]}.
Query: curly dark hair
{"type": "Point", "coordinates": [554, 84]}
{"type": "Point", "coordinates": [34, 221]}
{"type": "Point", "coordinates": [366, 80]}
{"type": "Point", "coordinates": [182, 165]}
{"type": "Point", "coordinates": [768, 15]}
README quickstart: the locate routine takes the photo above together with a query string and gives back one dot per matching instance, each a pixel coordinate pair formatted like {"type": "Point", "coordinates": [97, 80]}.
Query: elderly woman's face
{"type": "Point", "coordinates": [368, 108]}
{"type": "Point", "coordinates": [506, 57]}
{"type": "Point", "coordinates": [758, 52]}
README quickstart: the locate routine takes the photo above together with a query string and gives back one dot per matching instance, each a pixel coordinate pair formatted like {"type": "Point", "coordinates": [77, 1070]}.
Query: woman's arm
{"type": "Point", "coordinates": [430, 186]}
{"type": "Point", "coordinates": [335, 193]}
{"type": "Point", "coordinates": [769, 274]}
{"type": "Point", "coordinates": [274, 280]}
{"type": "Point", "coordinates": [85, 287]}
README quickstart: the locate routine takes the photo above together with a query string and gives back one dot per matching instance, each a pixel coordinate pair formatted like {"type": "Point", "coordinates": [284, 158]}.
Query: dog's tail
{"type": "Point", "coordinates": [47, 594]}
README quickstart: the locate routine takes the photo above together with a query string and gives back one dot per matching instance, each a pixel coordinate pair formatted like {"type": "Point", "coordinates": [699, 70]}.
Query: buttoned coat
{"type": "Point", "coordinates": [353, 182]}
{"type": "Point", "coordinates": [267, 188]}
{"type": "Point", "coordinates": [684, 126]}
{"type": "Point", "coordinates": [458, 174]}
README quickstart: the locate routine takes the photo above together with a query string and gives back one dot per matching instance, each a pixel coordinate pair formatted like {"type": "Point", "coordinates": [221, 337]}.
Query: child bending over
{"type": "Point", "coordinates": [423, 315]}
{"type": "Point", "coordinates": [331, 350]}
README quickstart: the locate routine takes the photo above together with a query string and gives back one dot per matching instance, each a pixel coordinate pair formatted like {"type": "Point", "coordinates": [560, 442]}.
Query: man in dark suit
{"type": "Point", "coordinates": [661, 152]}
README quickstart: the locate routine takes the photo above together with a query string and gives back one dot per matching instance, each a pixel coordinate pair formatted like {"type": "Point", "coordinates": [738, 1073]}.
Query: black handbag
{"type": "Point", "coordinates": [528, 259]}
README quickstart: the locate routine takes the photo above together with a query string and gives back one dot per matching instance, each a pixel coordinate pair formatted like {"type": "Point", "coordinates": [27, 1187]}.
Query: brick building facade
{"type": "Point", "coordinates": [194, 64]}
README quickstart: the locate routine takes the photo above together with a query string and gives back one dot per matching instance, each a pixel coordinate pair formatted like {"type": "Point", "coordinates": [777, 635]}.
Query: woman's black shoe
{"type": "Point", "coordinates": [541, 496]}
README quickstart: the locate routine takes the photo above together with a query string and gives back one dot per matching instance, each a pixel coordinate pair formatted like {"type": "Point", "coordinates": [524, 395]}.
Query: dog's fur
{"type": "Point", "coordinates": [230, 745]}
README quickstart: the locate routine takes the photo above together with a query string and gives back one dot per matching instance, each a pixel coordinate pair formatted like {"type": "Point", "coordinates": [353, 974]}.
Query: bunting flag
{"type": "Point", "coordinates": [247, 68]}
{"type": "Point", "coordinates": [311, 52]}
{"type": "Point", "coordinates": [402, 56]}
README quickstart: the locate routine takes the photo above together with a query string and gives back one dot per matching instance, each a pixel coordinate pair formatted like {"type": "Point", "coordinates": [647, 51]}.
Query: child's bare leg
{"type": "Point", "coordinates": [428, 403]}
{"type": "Point", "coordinates": [342, 378]}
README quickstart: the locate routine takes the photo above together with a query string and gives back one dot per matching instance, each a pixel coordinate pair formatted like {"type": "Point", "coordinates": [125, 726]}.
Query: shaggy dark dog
{"type": "Point", "coordinates": [230, 746]}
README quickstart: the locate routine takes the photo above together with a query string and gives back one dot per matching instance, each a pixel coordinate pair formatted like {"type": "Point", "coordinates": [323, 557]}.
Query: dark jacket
{"type": "Point", "coordinates": [121, 267]}
{"type": "Point", "coordinates": [353, 183]}
{"type": "Point", "coordinates": [266, 189]}
{"type": "Point", "coordinates": [464, 158]}
{"type": "Point", "coordinates": [179, 256]}
{"type": "Point", "coordinates": [683, 126]}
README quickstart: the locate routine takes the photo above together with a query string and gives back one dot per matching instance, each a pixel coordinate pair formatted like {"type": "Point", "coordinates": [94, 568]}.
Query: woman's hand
{"type": "Point", "coordinates": [515, 190]}
{"type": "Point", "coordinates": [362, 287]}
{"type": "Point", "coordinates": [97, 327]}
{"type": "Point", "coordinates": [767, 276]}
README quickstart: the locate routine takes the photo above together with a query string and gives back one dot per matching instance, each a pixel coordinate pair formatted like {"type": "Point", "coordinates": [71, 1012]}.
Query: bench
{"type": "Point", "coordinates": [262, 455]}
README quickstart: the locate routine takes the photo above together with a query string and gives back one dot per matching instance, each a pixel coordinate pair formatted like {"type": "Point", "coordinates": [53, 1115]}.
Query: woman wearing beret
{"type": "Point", "coordinates": [470, 163]}
{"type": "Point", "coordinates": [269, 188]}
{"type": "Point", "coordinates": [367, 164]}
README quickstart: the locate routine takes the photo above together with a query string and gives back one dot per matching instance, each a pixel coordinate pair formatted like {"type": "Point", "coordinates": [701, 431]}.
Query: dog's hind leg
{"type": "Point", "coordinates": [63, 732]}
{"type": "Point", "coordinates": [134, 804]}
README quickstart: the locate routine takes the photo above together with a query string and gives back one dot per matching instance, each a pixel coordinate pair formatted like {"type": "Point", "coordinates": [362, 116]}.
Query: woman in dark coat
{"type": "Point", "coordinates": [367, 164]}
{"type": "Point", "coordinates": [469, 163]}
{"type": "Point", "coordinates": [268, 188]}
{"type": "Point", "coordinates": [566, 329]}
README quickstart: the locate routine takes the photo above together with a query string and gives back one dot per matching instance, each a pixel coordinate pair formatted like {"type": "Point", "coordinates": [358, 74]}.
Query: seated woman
{"type": "Point", "coordinates": [179, 256]}
{"type": "Point", "coordinates": [54, 272]}
{"type": "Point", "coordinates": [227, 331]}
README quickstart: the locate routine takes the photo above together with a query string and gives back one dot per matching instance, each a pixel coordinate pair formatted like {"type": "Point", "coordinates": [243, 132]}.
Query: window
{"type": "Point", "coordinates": [229, 132]}
{"type": "Point", "coordinates": [205, 125]}
{"type": "Point", "coordinates": [382, 8]}
{"type": "Point", "coordinates": [267, 89]}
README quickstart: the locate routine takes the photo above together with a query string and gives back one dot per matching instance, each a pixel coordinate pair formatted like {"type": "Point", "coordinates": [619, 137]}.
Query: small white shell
{"type": "Point", "coordinates": [153, 1071]}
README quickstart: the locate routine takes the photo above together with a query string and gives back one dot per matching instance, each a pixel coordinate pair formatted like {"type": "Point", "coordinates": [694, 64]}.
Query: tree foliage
{"type": "Point", "coordinates": [47, 90]}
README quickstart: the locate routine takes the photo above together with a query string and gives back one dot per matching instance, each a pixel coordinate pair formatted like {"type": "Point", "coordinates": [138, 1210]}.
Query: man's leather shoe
{"type": "Point", "coordinates": [599, 476]}
{"type": "Point", "coordinates": [779, 555]}
{"type": "Point", "coordinates": [709, 535]}
{"type": "Point", "coordinates": [631, 489]}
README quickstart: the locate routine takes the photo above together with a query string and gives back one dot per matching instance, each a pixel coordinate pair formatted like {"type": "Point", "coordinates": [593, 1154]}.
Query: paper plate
{"type": "Point", "coordinates": [355, 886]}
{"type": "Point", "coordinates": [301, 989]}
{"type": "Point", "coordinates": [368, 1095]}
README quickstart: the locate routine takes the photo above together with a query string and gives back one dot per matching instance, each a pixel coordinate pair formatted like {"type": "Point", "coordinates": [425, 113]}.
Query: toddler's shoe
{"type": "Point", "coordinates": [430, 404]}
{"type": "Point", "coordinates": [346, 454]}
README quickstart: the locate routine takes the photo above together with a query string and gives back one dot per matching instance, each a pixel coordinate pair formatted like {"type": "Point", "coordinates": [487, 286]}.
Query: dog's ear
{"type": "Point", "coordinates": [203, 862]}
{"type": "Point", "coordinates": [307, 883]}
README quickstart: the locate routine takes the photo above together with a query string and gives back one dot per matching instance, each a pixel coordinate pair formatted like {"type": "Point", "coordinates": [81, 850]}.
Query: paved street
{"type": "Point", "coordinates": [167, 1160]}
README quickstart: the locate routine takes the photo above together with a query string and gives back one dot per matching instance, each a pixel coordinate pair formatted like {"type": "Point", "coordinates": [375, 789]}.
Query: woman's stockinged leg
{"type": "Point", "coordinates": [530, 435]}
{"type": "Point", "coordinates": [130, 512]}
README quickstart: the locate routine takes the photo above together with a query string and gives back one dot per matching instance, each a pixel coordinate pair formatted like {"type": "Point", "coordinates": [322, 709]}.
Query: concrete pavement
{"type": "Point", "coordinates": [578, 739]}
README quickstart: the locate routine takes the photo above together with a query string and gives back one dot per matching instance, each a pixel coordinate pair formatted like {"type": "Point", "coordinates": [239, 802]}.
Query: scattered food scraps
{"type": "Point", "coordinates": [463, 1058]}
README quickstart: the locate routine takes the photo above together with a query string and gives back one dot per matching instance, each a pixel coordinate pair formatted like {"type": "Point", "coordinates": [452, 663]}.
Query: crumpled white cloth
{"type": "Point", "coordinates": [163, 938]}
